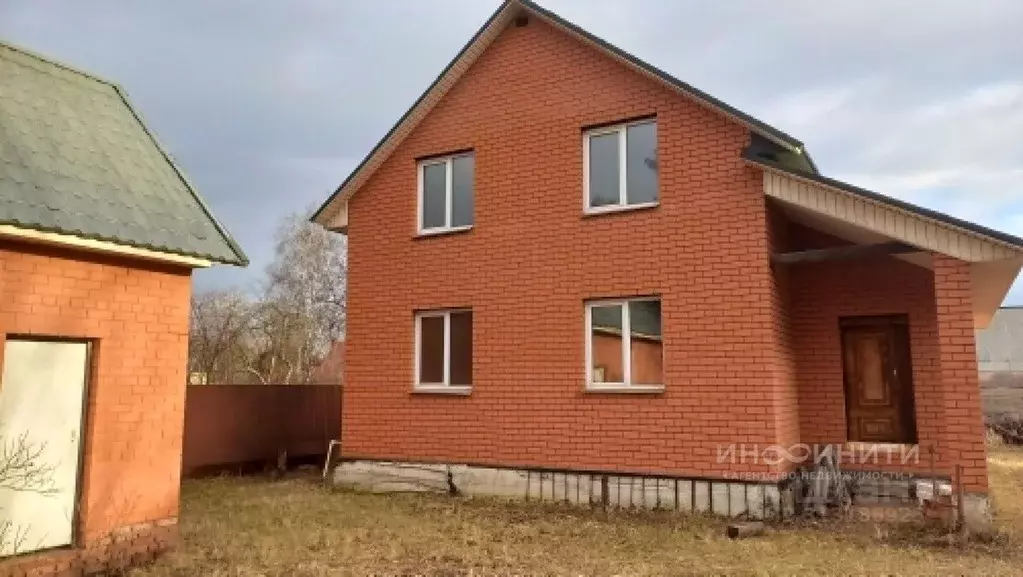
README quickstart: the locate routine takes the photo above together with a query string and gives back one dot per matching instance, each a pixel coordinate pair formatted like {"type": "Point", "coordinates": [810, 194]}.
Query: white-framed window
{"type": "Point", "coordinates": [444, 351]}
{"type": "Point", "coordinates": [620, 167]}
{"type": "Point", "coordinates": [446, 188]}
{"type": "Point", "coordinates": [624, 345]}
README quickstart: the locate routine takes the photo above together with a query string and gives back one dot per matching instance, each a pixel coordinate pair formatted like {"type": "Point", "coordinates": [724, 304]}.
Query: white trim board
{"type": "Point", "coordinates": [98, 246]}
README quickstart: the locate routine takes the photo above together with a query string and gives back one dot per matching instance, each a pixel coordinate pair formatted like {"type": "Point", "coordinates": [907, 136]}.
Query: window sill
{"type": "Point", "coordinates": [615, 209]}
{"type": "Point", "coordinates": [626, 389]}
{"type": "Point", "coordinates": [442, 231]}
{"type": "Point", "coordinates": [441, 390]}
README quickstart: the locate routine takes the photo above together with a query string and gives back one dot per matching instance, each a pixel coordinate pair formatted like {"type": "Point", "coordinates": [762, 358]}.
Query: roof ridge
{"type": "Point", "coordinates": [224, 234]}
{"type": "Point", "coordinates": [56, 63]}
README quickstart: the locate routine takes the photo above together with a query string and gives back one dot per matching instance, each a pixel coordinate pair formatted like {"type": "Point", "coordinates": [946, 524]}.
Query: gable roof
{"type": "Point", "coordinates": [77, 160]}
{"type": "Point", "coordinates": [503, 16]}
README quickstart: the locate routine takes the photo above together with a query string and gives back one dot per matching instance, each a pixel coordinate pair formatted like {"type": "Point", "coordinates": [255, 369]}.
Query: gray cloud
{"type": "Point", "coordinates": [268, 105]}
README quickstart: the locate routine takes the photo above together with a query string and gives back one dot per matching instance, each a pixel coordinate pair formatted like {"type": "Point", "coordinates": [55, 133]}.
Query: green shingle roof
{"type": "Point", "coordinates": [75, 158]}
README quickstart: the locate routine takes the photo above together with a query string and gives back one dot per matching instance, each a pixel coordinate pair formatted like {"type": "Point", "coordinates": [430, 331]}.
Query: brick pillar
{"type": "Point", "coordinates": [962, 437]}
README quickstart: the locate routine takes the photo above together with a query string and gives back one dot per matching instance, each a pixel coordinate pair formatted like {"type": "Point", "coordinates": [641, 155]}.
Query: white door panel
{"type": "Point", "coordinates": [41, 397]}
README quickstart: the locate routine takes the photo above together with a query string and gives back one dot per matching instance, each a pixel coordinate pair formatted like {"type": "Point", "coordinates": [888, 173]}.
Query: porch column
{"type": "Point", "coordinates": [962, 428]}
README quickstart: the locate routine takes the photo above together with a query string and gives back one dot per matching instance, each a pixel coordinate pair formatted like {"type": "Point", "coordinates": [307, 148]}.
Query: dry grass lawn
{"type": "Point", "coordinates": [242, 527]}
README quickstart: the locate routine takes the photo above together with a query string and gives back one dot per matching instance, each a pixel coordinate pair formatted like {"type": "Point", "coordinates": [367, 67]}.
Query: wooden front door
{"type": "Point", "coordinates": [878, 379]}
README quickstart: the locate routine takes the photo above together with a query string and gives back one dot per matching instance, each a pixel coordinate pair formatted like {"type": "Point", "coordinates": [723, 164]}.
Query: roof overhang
{"type": "Point", "coordinates": [109, 108]}
{"type": "Point", "coordinates": [98, 246]}
{"type": "Point", "coordinates": [863, 216]}
{"type": "Point", "coordinates": [333, 214]}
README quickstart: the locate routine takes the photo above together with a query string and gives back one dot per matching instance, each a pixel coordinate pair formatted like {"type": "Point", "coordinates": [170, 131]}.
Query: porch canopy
{"type": "Point", "coordinates": [873, 224]}
{"type": "Point", "coordinates": [879, 301]}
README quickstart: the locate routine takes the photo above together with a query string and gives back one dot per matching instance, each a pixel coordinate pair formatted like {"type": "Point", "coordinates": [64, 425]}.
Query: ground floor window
{"type": "Point", "coordinates": [624, 347]}
{"type": "Point", "coordinates": [444, 349]}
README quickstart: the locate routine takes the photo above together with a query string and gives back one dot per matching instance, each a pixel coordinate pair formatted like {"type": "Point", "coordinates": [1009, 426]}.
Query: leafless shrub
{"type": "Point", "coordinates": [1008, 427]}
{"type": "Point", "coordinates": [22, 470]}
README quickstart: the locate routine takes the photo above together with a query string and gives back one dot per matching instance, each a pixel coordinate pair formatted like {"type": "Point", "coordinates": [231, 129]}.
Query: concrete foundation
{"type": "Point", "coordinates": [724, 497]}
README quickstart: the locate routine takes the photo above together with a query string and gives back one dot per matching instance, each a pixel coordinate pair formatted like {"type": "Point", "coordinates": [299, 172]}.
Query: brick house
{"type": "Point", "coordinates": [551, 208]}
{"type": "Point", "coordinates": [99, 234]}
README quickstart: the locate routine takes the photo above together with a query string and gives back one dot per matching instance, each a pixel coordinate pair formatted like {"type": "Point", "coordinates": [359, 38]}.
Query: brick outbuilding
{"type": "Point", "coordinates": [99, 234]}
{"type": "Point", "coordinates": [551, 198]}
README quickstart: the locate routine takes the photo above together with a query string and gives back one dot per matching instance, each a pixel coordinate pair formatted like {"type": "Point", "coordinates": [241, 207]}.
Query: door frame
{"type": "Point", "coordinates": [90, 369]}
{"type": "Point", "coordinates": [898, 324]}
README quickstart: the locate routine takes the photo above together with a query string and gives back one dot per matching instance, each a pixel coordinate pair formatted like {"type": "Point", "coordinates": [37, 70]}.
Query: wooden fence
{"type": "Point", "coordinates": [238, 427]}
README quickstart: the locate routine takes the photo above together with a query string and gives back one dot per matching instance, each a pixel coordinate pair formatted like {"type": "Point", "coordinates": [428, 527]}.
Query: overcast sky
{"type": "Point", "coordinates": [268, 105]}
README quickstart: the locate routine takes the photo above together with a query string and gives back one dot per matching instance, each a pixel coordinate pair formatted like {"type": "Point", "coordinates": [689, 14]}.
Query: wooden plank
{"type": "Point", "coordinates": [848, 252]}
{"type": "Point", "coordinates": [743, 530]}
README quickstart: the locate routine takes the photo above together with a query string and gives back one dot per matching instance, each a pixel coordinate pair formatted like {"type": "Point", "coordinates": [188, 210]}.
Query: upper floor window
{"type": "Point", "coordinates": [446, 193]}
{"type": "Point", "coordinates": [620, 166]}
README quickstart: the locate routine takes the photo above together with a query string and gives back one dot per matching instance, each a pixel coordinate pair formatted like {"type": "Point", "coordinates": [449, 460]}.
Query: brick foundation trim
{"type": "Point", "coordinates": [124, 547]}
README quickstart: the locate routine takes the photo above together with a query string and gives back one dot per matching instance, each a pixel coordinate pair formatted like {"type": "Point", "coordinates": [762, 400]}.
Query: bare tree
{"type": "Point", "coordinates": [284, 334]}
{"type": "Point", "coordinates": [220, 334]}
{"type": "Point", "coordinates": [303, 307]}
{"type": "Point", "coordinates": [309, 275]}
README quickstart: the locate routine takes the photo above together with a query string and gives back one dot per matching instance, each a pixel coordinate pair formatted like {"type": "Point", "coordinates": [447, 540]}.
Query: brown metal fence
{"type": "Point", "coordinates": [237, 426]}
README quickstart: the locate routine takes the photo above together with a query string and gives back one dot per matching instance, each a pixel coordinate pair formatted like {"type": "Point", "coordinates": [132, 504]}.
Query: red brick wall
{"type": "Point", "coordinates": [136, 313]}
{"type": "Point", "coordinates": [533, 259]}
{"type": "Point", "coordinates": [963, 424]}
{"type": "Point", "coordinates": [785, 383]}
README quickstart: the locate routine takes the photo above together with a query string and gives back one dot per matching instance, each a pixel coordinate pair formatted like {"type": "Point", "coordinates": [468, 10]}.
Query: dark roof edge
{"type": "Point", "coordinates": [56, 63]}
{"type": "Point", "coordinates": [975, 228]}
{"type": "Point", "coordinates": [240, 258]}
{"type": "Point", "coordinates": [765, 129]}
